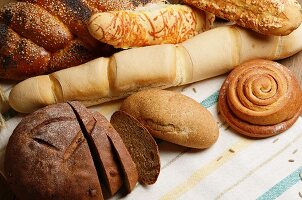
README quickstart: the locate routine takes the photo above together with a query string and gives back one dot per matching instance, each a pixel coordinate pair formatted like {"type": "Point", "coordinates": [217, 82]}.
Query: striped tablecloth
{"type": "Point", "coordinates": [234, 168]}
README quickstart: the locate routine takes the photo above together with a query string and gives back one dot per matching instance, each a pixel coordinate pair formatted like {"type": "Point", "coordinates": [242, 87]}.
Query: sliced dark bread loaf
{"type": "Point", "coordinates": [140, 144]}
{"type": "Point", "coordinates": [101, 147]}
{"type": "Point", "coordinates": [125, 159]}
{"type": "Point", "coordinates": [47, 157]}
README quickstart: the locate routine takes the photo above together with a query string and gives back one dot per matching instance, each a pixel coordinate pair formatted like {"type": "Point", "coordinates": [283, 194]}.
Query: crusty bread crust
{"type": "Point", "coordinates": [270, 17]}
{"type": "Point", "coordinates": [48, 151]}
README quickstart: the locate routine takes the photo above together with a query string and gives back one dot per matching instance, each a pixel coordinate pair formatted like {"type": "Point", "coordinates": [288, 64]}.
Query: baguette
{"type": "Point", "coordinates": [149, 25]}
{"type": "Point", "coordinates": [271, 17]}
{"type": "Point", "coordinates": [206, 55]}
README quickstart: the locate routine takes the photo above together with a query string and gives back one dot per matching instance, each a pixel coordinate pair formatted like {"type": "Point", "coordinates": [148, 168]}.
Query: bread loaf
{"type": "Point", "coordinates": [260, 98]}
{"type": "Point", "coordinates": [65, 151]}
{"type": "Point", "coordinates": [42, 36]}
{"type": "Point", "coordinates": [190, 124]}
{"type": "Point", "coordinates": [42, 158]}
{"type": "Point", "coordinates": [271, 17]}
{"type": "Point", "coordinates": [208, 54]}
{"type": "Point", "coordinates": [149, 25]}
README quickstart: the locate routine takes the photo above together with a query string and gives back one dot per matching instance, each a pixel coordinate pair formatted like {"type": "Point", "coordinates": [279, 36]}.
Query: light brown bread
{"type": "Point", "coordinates": [122, 154]}
{"type": "Point", "coordinates": [208, 54]}
{"type": "Point", "coordinates": [140, 144]}
{"type": "Point", "coordinates": [173, 117]}
{"type": "Point", "coordinates": [271, 17]}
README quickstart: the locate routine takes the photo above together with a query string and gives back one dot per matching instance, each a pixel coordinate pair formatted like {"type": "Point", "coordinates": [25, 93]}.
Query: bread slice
{"type": "Point", "coordinates": [125, 159]}
{"type": "Point", "coordinates": [140, 144]}
{"type": "Point", "coordinates": [100, 147]}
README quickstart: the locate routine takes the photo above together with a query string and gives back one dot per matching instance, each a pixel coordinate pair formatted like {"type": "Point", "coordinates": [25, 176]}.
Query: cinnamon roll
{"type": "Point", "coordinates": [260, 98]}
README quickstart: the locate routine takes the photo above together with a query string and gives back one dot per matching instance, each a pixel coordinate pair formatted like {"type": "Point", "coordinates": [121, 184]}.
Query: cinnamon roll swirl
{"type": "Point", "coordinates": [260, 98]}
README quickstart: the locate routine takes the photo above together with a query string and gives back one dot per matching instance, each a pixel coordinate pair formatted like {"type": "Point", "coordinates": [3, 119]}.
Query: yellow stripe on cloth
{"type": "Point", "coordinates": [205, 170]}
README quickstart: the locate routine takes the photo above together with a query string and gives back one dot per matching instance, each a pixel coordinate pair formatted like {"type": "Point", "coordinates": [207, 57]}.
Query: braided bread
{"type": "Point", "coordinates": [42, 36]}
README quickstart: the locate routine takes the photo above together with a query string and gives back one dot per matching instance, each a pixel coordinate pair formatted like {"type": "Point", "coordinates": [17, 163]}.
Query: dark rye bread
{"type": "Point", "coordinates": [125, 159]}
{"type": "Point", "coordinates": [47, 157]}
{"type": "Point", "coordinates": [140, 144]}
{"type": "Point", "coordinates": [100, 147]}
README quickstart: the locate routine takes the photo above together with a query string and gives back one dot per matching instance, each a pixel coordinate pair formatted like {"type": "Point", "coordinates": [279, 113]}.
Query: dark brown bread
{"type": "Point", "coordinates": [123, 155]}
{"type": "Point", "coordinates": [47, 157]}
{"type": "Point", "coordinates": [101, 147]}
{"type": "Point", "coordinates": [140, 144]}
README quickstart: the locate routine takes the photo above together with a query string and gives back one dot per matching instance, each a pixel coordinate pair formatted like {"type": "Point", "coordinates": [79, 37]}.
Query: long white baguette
{"type": "Point", "coordinates": [206, 55]}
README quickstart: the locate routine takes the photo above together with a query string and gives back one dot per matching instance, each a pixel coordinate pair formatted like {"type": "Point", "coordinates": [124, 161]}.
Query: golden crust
{"type": "Point", "coordinates": [260, 98]}
{"type": "Point", "coordinates": [270, 17]}
{"type": "Point", "coordinates": [157, 24]}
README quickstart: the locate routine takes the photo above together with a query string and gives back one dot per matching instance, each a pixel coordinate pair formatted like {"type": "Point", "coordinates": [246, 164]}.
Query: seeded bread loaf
{"type": "Point", "coordinates": [140, 144]}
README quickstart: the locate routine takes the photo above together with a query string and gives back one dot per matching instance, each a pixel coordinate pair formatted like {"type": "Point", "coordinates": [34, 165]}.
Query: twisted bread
{"type": "Point", "coordinates": [149, 25]}
{"type": "Point", "coordinates": [260, 98]}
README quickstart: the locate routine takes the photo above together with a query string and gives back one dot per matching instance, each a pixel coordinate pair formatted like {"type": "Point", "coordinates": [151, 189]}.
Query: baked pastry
{"type": "Point", "coordinates": [42, 36]}
{"type": "Point", "coordinates": [140, 145]}
{"type": "Point", "coordinates": [260, 98]}
{"type": "Point", "coordinates": [270, 17]}
{"type": "Point", "coordinates": [149, 25]}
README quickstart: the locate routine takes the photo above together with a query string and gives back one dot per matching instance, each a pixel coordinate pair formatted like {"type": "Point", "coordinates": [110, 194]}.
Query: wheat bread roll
{"type": "Point", "coordinates": [206, 55]}
{"type": "Point", "coordinates": [173, 117]}
{"type": "Point", "coordinates": [140, 144]}
{"type": "Point", "coordinates": [271, 17]}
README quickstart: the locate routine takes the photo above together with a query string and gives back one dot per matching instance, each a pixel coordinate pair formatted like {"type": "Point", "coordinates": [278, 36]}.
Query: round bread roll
{"type": "Point", "coordinates": [260, 98]}
{"type": "Point", "coordinates": [173, 117]}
